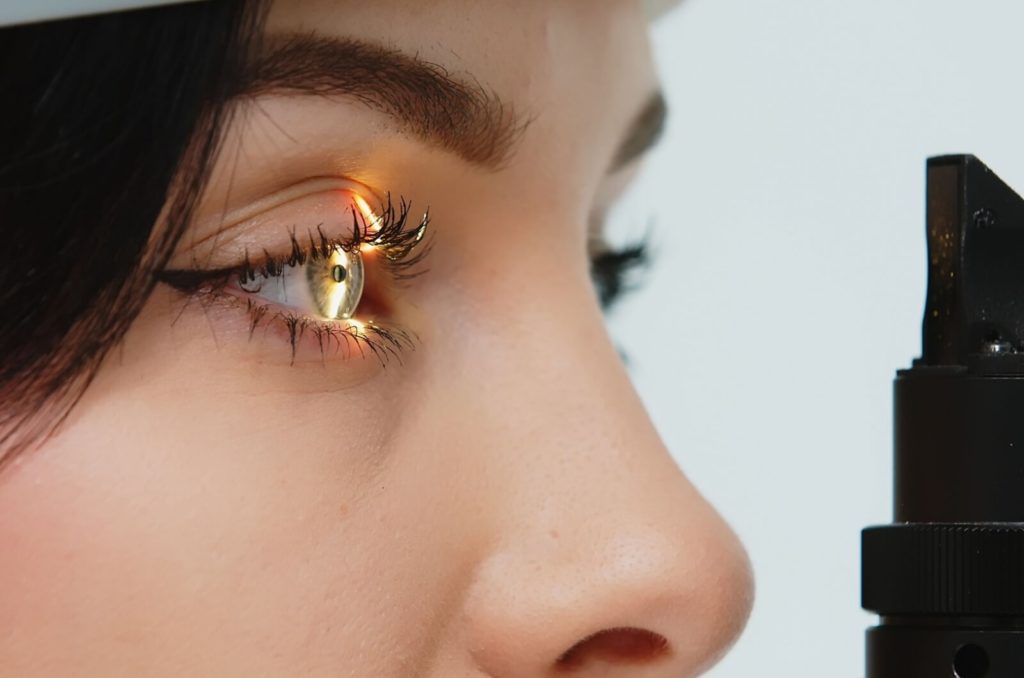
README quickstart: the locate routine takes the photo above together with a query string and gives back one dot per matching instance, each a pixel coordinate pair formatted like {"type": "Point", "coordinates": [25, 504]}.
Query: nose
{"type": "Point", "coordinates": [607, 561]}
{"type": "Point", "coordinates": [614, 600]}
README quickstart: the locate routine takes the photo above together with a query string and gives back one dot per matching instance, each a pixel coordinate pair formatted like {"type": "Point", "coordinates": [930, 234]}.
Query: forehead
{"type": "Point", "coordinates": [502, 40]}
{"type": "Point", "coordinates": [579, 70]}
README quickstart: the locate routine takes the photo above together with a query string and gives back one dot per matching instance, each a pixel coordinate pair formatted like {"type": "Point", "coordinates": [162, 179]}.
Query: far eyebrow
{"type": "Point", "coordinates": [644, 132]}
{"type": "Point", "coordinates": [426, 100]}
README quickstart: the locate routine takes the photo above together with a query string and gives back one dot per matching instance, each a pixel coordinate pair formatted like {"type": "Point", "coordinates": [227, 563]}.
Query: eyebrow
{"type": "Point", "coordinates": [643, 133]}
{"type": "Point", "coordinates": [425, 99]}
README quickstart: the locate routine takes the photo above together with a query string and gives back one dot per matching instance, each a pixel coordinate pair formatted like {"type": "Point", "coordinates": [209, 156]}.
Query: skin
{"type": "Point", "coordinates": [497, 504]}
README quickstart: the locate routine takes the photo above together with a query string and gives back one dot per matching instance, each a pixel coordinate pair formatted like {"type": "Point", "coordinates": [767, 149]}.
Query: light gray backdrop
{"type": "Point", "coordinates": [789, 201]}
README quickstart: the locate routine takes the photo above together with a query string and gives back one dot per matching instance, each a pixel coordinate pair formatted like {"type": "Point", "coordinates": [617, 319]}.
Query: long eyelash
{"type": "Point", "coordinates": [403, 250]}
{"type": "Point", "coordinates": [616, 272]}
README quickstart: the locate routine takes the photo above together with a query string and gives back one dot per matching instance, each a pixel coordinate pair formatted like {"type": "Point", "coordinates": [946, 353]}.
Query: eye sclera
{"type": "Point", "coordinates": [330, 284]}
{"type": "Point", "coordinates": [334, 273]}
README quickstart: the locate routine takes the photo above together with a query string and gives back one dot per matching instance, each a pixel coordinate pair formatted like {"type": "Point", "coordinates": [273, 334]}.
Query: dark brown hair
{"type": "Point", "coordinates": [107, 129]}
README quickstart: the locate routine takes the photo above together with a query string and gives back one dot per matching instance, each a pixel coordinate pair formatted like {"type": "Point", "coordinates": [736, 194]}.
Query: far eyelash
{"type": "Point", "coordinates": [615, 271]}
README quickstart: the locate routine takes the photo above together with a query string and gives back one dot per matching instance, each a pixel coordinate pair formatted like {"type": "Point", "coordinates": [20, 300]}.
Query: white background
{"type": "Point", "coordinates": [788, 201]}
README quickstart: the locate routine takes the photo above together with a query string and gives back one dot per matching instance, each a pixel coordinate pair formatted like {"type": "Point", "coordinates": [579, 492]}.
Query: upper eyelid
{"type": "Point", "coordinates": [402, 248]}
{"type": "Point", "coordinates": [211, 224]}
{"type": "Point", "coordinates": [262, 263]}
{"type": "Point", "coordinates": [269, 228]}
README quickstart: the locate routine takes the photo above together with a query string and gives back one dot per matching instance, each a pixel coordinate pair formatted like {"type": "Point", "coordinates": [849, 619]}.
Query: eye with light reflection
{"type": "Point", "coordinates": [329, 287]}
{"type": "Point", "coordinates": [327, 283]}
{"type": "Point", "coordinates": [315, 292]}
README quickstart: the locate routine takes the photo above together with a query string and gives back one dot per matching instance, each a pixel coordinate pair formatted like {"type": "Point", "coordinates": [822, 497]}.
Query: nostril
{"type": "Point", "coordinates": [615, 646]}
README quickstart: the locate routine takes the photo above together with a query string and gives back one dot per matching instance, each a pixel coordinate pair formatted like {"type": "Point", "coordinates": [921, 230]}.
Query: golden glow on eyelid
{"type": "Point", "coordinates": [372, 220]}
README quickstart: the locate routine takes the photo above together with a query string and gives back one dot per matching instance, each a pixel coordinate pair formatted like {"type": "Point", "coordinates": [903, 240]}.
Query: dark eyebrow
{"type": "Point", "coordinates": [644, 132]}
{"type": "Point", "coordinates": [424, 98]}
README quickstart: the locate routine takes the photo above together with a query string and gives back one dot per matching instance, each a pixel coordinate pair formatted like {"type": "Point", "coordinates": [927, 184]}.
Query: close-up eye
{"type": "Point", "coordinates": [331, 289]}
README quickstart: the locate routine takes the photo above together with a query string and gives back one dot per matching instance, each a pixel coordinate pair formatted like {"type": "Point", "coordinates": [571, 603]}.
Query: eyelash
{"type": "Point", "coordinates": [401, 251]}
{"type": "Point", "coordinates": [385, 343]}
{"type": "Point", "coordinates": [615, 272]}
{"type": "Point", "coordinates": [400, 247]}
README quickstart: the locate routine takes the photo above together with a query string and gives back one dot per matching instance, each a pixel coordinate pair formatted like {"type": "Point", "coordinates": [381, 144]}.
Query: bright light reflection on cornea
{"type": "Point", "coordinates": [343, 295]}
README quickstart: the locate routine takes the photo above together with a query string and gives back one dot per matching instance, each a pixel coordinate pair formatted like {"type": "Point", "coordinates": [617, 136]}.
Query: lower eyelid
{"type": "Point", "coordinates": [276, 333]}
{"type": "Point", "coordinates": [315, 339]}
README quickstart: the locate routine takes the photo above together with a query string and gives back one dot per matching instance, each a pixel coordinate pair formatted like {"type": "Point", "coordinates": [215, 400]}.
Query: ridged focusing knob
{"type": "Point", "coordinates": [943, 569]}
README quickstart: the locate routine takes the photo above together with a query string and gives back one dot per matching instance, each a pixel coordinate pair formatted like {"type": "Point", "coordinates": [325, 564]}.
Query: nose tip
{"type": "Point", "coordinates": [639, 604]}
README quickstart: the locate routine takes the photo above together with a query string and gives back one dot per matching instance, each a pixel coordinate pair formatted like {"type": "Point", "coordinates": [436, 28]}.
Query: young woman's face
{"type": "Point", "coordinates": [457, 480]}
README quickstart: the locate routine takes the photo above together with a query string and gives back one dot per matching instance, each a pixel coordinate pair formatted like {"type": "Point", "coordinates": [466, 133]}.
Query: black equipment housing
{"type": "Point", "coordinates": [947, 576]}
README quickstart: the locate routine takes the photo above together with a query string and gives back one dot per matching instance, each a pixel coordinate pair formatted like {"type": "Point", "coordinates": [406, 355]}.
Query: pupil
{"type": "Point", "coordinates": [338, 273]}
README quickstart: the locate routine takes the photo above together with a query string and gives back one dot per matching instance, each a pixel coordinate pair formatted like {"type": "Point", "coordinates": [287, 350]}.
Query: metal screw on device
{"type": "Point", "coordinates": [997, 347]}
{"type": "Point", "coordinates": [984, 218]}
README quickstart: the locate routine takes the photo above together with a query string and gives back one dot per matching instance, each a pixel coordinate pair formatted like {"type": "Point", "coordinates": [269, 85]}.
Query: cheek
{"type": "Point", "coordinates": [133, 536]}
{"type": "Point", "coordinates": [83, 554]}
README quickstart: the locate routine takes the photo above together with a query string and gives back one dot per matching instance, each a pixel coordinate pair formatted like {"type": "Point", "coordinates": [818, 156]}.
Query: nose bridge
{"type": "Point", "coordinates": [564, 427]}
{"type": "Point", "coordinates": [599, 531]}
{"type": "Point", "coordinates": [557, 390]}
{"type": "Point", "coordinates": [552, 348]}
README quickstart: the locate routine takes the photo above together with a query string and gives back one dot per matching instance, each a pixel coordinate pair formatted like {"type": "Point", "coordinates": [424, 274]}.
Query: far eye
{"type": "Point", "coordinates": [328, 287]}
